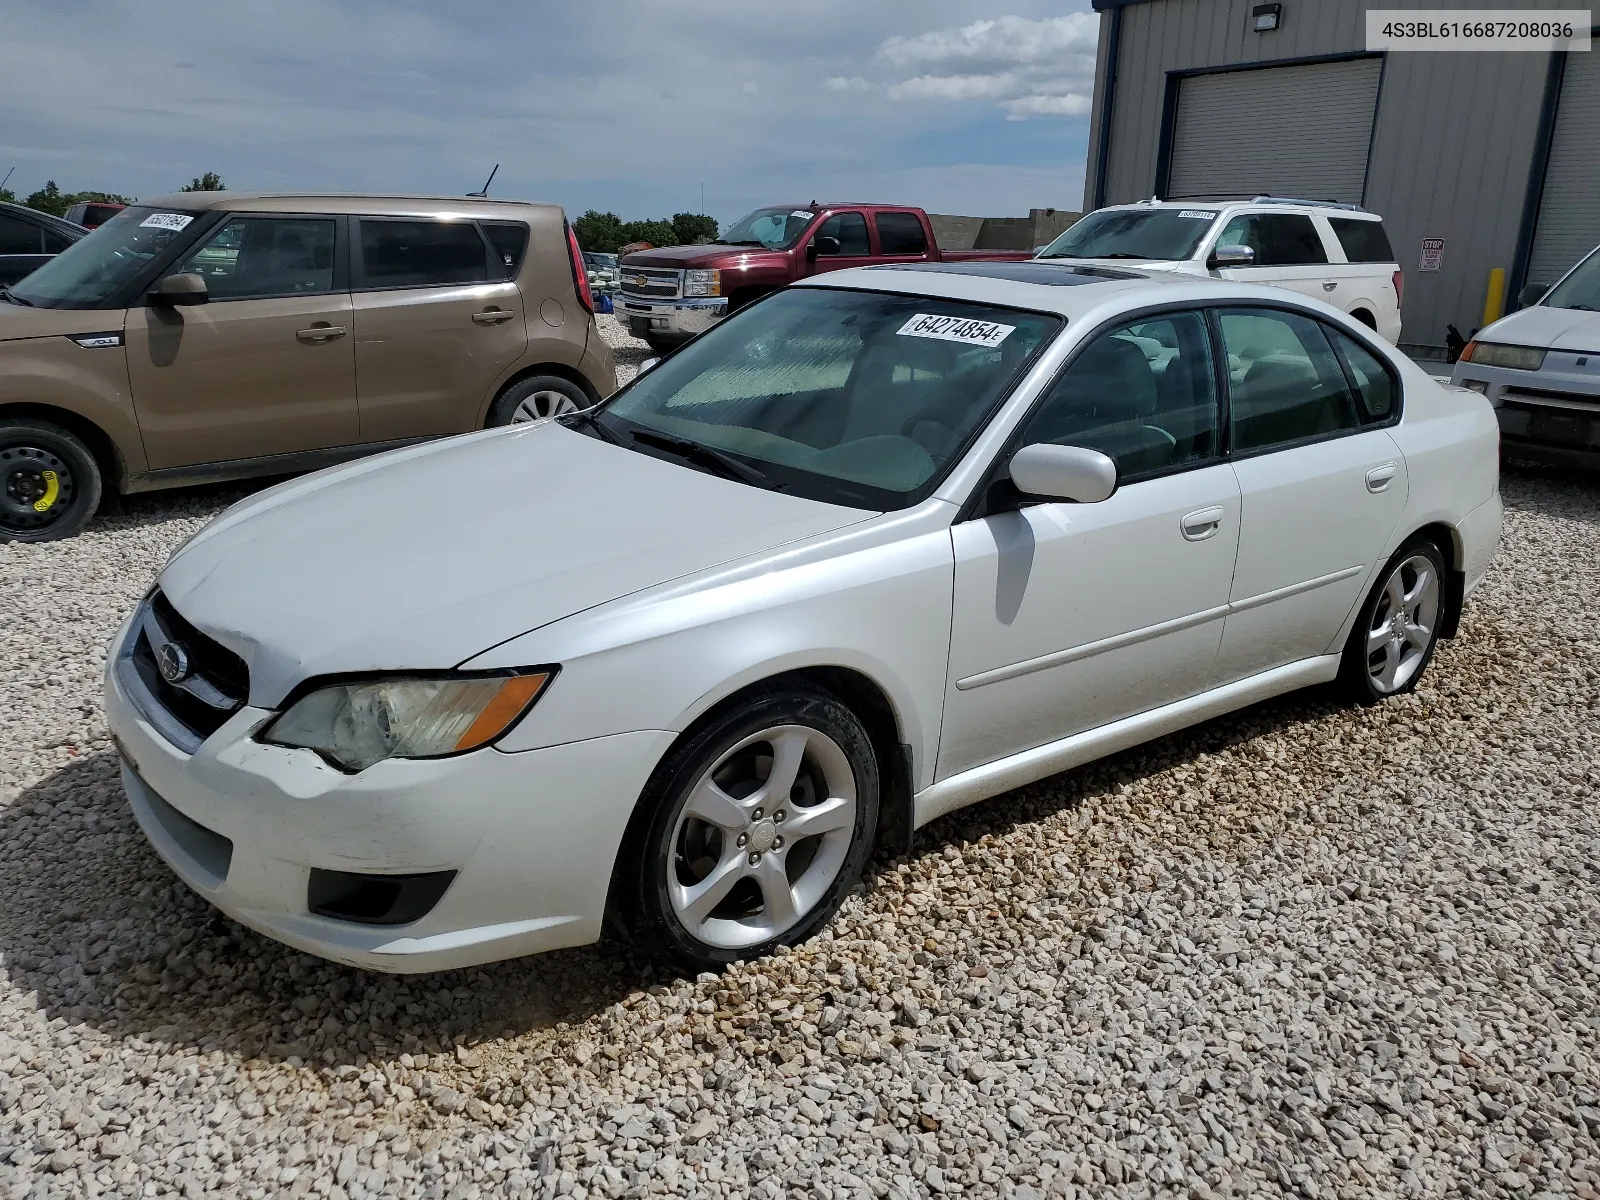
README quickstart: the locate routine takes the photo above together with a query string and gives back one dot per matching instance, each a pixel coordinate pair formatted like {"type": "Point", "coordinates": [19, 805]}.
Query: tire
{"type": "Point", "coordinates": [534, 399]}
{"type": "Point", "coordinates": [50, 484]}
{"type": "Point", "coordinates": [700, 868]}
{"type": "Point", "coordinates": [1385, 656]}
{"type": "Point", "coordinates": [660, 348]}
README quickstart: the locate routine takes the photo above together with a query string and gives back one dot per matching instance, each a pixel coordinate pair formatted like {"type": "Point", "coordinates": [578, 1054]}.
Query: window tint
{"type": "Point", "coordinates": [1279, 239]}
{"type": "Point", "coordinates": [901, 233]}
{"type": "Point", "coordinates": [55, 242]}
{"type": "Point", "coordinates": [266, 256]}
{"type": "Point", "coordinates": [1144, 394]}
{"type": "Point", "coordinates": [421, 253]}
{"type": "Point", "coordinates": [510, 242]}
{"type": "Point", "coordinates": [1363, 241]}
{"type": "Point", "coordinates": [19, 237]}
{"type": "Point", "coordinates": [1375, 386]}
{"type": "Point", "coordinates": [851, 230]}
{"type": "Point", "coordinates": [1284, 383]}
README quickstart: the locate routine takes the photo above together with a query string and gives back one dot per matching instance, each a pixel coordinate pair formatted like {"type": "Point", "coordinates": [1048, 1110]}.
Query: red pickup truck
{"type": "Point", "coordinates": [669, 295]}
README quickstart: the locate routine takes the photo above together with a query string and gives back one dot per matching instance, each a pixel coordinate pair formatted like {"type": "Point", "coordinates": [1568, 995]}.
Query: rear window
{"type": "Point", "coordinates": [510, 242]}
{"type": "Point", "coordinates": [1363, 241]}
{"type": "Point", "coordinates": [421, 253]}
{"type": "Point", "coordinates": [901, 233]}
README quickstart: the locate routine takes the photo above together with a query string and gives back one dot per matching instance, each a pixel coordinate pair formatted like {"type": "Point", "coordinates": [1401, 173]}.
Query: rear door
{"type": "Point", "coordinates": [264, 367]}
{"type": "Point", "coordinates": [1366, 276]}
{"type": "Point", "coordinates": [840, 241]}
{"type": "Point", "coordinates": [1289, 252]}
{"type": "Point", "coordinates": [437, 322]}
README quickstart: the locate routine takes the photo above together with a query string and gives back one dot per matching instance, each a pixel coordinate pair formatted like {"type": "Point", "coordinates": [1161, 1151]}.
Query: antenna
{"type": "Point", "coordinates": [11, 172]}
{"type": "Point", "coordinates": [484, 190]}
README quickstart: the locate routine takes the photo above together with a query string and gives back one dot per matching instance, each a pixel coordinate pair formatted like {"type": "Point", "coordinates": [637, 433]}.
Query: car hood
{"type": "Point", "coordinates": [18, 321]}
{"type": "Point", "coordinates": [1548, 328]}
{"type": "Point", "coordinates": [426, 557]}
{"type": "Point", "coordinates": [701, 256]}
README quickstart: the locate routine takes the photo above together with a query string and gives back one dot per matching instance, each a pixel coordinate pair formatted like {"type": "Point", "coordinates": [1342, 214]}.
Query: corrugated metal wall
{"type": "Point", "coordinates": [1452, 145]}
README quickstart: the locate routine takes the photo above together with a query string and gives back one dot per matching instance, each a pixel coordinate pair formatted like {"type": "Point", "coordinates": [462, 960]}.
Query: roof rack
{"type": "Point", "coordinates": [1307, 203]}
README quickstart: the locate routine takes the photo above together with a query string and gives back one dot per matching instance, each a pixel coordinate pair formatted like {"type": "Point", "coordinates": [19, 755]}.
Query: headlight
{"type": "Point", "coordinates": [1493, 354]}
{"type": "Point", "coordinates": [356, 724]}
{"type": "Point", "coordinates": [702, 283]}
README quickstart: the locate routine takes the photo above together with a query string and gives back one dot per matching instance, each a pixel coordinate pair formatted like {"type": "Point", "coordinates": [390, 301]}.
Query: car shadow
{"type": "Point", "coordinates": [1568, 493]}
{"type": "Point", "coordinates": [103, 934]}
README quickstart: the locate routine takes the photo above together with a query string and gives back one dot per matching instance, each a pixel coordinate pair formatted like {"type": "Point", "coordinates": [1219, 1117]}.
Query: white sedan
{"type": "Point", "coordinates": [875, 548]}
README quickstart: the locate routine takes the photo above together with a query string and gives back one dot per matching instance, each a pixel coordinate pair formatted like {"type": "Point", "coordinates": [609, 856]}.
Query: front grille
{"type": "Point", "coordinates": [651, 283]}
{"type": "Point", "coordinates": [214, 682]}
{"type": "Point", "coordinates": [1545, 395]}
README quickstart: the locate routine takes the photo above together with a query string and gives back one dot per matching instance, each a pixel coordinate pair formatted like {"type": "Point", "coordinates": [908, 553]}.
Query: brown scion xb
{"type": "Point", "coordinates": [219, 335]}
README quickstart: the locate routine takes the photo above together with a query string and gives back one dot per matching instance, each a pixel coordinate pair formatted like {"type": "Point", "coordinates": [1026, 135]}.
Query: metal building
{"type": "Point", "coordinates": [1496, 156]}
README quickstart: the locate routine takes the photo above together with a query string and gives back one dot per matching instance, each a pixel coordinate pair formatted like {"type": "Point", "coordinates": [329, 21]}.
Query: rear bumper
{"type": "Point", "coordinates": [669, 320]}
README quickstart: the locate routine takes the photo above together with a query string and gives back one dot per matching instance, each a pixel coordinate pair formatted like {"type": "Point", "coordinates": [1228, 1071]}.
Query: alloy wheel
{"type": "Point", "coordinates": [1403, 624]}
{"type": "Point", "coordinates": [536, 406]}
{"type": "Point", "coordinates": [761, 837]}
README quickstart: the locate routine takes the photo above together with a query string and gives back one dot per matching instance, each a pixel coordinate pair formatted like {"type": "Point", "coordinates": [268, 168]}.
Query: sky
{"type": "Point", "coordinates": [959, 106]}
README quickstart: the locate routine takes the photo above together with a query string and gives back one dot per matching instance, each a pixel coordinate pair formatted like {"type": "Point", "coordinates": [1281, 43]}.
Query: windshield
{"type": "Point", "coordinates": [774, 228]}
{"type": "Point", "coordinates": [1580, 289]}
{"type": "Point", "coordinates": [90, 271]}
{"type": "Point", "coordinates": [854, 398]}
{"type": "Point", "coordinates": [601, 262]}
{"type": "Point", "coordinates": [1162, 234]}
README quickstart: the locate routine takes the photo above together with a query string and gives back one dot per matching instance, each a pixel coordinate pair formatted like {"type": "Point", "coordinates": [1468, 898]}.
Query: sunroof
{"type": "Point", "coordinates": [1030, 271]}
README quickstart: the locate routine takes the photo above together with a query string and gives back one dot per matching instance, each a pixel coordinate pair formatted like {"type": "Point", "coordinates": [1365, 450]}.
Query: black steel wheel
{"type": "Point", "coordinates": [49, 482]}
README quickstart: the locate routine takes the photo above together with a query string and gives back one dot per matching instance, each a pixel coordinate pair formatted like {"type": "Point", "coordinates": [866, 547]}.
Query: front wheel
{"type": "Point", "coordinates": [751, 833]}
{"type": "Point", "coordinates": [535, 399]}
{"type": "Point", "coordinates": [1394, 636]}
{"type": "Point", "coordinates": [49, 482]}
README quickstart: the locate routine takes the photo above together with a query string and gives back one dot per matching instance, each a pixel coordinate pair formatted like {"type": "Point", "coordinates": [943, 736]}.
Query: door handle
{"type": "Point", "coordinates": [1328, 285]}
{"type": "Point", "coordinates": [318, 334]}
{"type": "Point", "coordinates": [1202, 523]}
{"type": "Point", "coordinates": [1379, 478]}
{"type": "Point", "coordinates": [492, 316]}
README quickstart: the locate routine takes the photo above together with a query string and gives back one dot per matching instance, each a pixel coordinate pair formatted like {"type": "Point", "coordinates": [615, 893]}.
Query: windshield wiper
{"type": "Point", "coordinates": [590, 418]}
{"type": "Point", "coordinates": [1122, 254]}
{"type": "Point", "coordinates": [707, 456]}
{"type": "Point", "coordinates": [5, 294]}
{"type": "Point", "coordinates": [749, 242]}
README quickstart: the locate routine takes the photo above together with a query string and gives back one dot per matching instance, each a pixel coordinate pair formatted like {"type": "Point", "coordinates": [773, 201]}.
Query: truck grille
{"type": "Point", "coordinates": [650, 283]}
{"type": "Point", "coordinates": [186, 684]}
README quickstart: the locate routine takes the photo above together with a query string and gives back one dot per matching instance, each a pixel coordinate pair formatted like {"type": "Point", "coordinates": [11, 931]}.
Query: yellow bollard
{"type": "Point", "coordinates": [1495, 303]}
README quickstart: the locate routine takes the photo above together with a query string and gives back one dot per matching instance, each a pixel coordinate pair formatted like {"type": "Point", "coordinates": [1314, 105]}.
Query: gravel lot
{"type": "Point", "coordinates": [1304, 949]}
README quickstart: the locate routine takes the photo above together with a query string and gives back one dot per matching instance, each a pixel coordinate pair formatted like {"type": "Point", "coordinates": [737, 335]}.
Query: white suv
{"type": "Point", "coordinates": [1337, 253]}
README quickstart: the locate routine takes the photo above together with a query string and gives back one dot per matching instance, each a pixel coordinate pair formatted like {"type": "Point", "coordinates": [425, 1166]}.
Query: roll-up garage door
{"type": "Point", "coordinates": [1569, 209]}
{"type": "Point", "coordinates": [1286, 131]}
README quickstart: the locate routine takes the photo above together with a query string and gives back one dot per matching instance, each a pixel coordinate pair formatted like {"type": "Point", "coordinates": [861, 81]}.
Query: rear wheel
{"type": "Point", "coordinates": [1394, 637]}
{"type": "Point", "coordinates": [535, 399]}
{"type": "Point", "coordinates": [751, 833]}
{"type": "Point", "coordinates": [49, 482]}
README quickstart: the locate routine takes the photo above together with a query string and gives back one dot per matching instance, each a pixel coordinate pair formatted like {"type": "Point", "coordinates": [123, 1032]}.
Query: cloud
{"type": "Point", "coordinates": [1033, 68]}
{"type": "Point", "coordinates": [842, 83]}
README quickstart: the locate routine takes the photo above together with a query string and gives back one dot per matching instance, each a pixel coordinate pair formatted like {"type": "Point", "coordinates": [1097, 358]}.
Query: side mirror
{"type": "Point", "coordinates": [821, 245]}
{"type": "Point", "coordinates": [1231, 256]}
{"type": "Point", "coordinates": [183, 289]}
{"type": "Point", "coordinates": [1531, 294]}
{"type": "Point", "coordinates": [1054, 472]}
{"type": "Point", "coordinates": [648, 364]}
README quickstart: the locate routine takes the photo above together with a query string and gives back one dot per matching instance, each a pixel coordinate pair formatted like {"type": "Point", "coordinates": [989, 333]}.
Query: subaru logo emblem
{"type": "Point", "coordinates": [172, 662]}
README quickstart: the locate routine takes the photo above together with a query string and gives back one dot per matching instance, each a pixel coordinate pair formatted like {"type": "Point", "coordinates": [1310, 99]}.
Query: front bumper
{"type": "Point", "coordinates": [1553, 413]}
{"type": "Point", "coordinates": [532, 836]}
{"type": "Point", "coordinates": [669, 320]}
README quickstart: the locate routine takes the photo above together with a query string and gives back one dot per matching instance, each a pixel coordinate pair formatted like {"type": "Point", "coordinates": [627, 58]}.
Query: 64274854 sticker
{"type": "Point", "coordinates": [965, 330]}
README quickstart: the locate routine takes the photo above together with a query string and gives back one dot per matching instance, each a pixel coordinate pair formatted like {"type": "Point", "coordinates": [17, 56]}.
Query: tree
{"type": "Point", "coordinates": [209, 182]}
{"type": "Point", "coordinates": [53, 200]}
{"type": "Point", "coordinates": [7, 196]}
{"type": "Point", "coordinates": [599, 232]}
{"type": "Point", "coordinates": [657, 233]}
{"type": "Point", "coordinates": [693, 228]}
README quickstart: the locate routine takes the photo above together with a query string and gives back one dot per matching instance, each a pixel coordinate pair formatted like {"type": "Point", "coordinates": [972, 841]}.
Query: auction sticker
{"type": "Point", "coordinates": [1197, 213]}
{"type": "Point", "coordinates": [172, 221]}
{"type": "Point", "coordinates": [956, 329]}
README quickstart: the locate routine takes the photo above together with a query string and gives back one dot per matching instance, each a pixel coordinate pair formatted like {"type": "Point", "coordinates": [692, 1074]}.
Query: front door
{"type": "Point", "coordinates": [1070, 616]}
{"type": "Point", "coordinates": [840, 242]}
{"type": "Point", "coordinates": [1289, 253]}
{"type": "Point", "coordinates": [1323, 484]}
{"type": "Point", "coordinates": [436, 324]}
{"type": "Point", "coordinates": [266, 366]}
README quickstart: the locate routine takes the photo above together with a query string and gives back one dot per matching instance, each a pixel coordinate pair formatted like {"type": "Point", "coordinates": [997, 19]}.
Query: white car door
{"type": "Point", "coordinates": [1069, 616]}
{"type": "Point", "coordinates": [1323, 485]}
{"type": "Point", "coordinates": [1289, 253]}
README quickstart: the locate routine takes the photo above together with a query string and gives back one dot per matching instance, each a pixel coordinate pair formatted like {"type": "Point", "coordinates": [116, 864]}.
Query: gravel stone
{"type": "Point", "coordinates": [1304, 950]}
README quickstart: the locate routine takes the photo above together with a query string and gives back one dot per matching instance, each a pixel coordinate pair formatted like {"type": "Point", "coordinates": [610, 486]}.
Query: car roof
{"type": "Point", "coordinates": [338, 202]}
{"type": "Point", "coordinates": [42, 218]}
{"type": "Point", "coordinates": [1331, 208]}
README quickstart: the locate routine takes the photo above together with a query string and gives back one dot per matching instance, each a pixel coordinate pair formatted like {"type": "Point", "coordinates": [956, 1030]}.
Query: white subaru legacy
{"type": "Point", "coordinates": [876, 547]}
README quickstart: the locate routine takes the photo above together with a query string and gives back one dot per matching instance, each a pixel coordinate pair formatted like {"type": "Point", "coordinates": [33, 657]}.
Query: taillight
{"type": "Point", "coordinates": [1399, 287]}
{"type": "Point", "coordinates": [580, 277]}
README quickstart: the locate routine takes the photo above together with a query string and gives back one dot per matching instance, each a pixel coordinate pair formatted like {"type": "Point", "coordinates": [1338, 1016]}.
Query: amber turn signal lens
{"type": "Point", "coordinates": [509, 703]}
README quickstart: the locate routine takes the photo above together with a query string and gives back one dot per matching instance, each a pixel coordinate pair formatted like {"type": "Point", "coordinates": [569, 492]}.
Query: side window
{"type": "Point", "coordinates": [55, 241]}
{"type": "Point", "coordinates": [510, 242]}
{"type": "Point", "coordinates": [252, 257]}
{"type": "Point", "coordinates": [421, 253]}
{"type": "Point", "coordinates": [1363, 241]}
{"type": "Point", "coordinates": [850, 228]}
{"type": "Point", "coordinates": [1145, 394]}
{"type": "Point", "coordinates": [1376, 386]}
{"type": "Point", "coordinates": [19, 237]}
{"type": "Point", "coordinates": [901, 233]}
{"type": "Point", "coordinates": [1284, 383]}
{"type": "Point", "coordinates": [1279, 239]}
